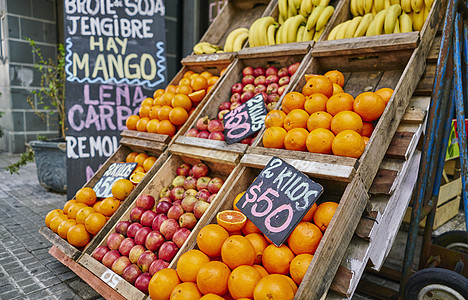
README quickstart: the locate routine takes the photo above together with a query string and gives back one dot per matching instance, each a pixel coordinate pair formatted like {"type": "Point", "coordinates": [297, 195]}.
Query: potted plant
{"type": "Point", "coordinates": [49, 154]}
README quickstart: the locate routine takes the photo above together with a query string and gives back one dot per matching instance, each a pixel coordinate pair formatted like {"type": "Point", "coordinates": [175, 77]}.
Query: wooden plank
{"type": "Point", "coordinates": [62, 245]}
{"type": "Point", "coordinates": [399, 145]}
{"type": "Point", "coordinates": [444, 213]}
{"type": "Point", "coordinates": [414, 115]}
{"type": "Point", "coordinates": [426, 83]}
{"type": "Point", "coordinates": [96, 283]}
{"type": "Point", "coordinates": [367, 224]}
{"type": "Point", "coordinates": [143, 145]}
{"type": "Point", "coordinates": [341, 281]}
{"type": "Point", "coordinates": [383, 181]}
{"type": "Point", "coordinates": [449, 190]}
{"type": "Point", "coordinates": [218, 156]}
{"type": "Point", "coordinates": [212, 144]}
{"type": "Point", "coordinates": [275, 50]}
{"type": "Point", "coordinates": [162, 138]}
{"type": "Point", "coordinates": [378, 291]}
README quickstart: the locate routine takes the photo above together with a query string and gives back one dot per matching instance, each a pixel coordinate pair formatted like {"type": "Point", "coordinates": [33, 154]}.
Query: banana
{"type": "Point", "coordinates": [324, 17]}
{"type": "Point", "coordinates": [198, 48]}
{"type": "Point", "coordinates": [283, 8]}
{"type": "Point", "coordinates": [406, 25]}
{"type": "Point", "coordinates": [318, 34]}
{"type": "Point", "coordinates": [353, 8]}
{"type": "Point", "coordinates": [426, 12]}
{"type": "Point", "coordinates": [360, 7]}
{"type": "Point", "coordinates": [316, 2]}
{"type": "Point", "coordinates": [312, 20]}
{"type": "Point", "coordinates": [232, 37]}
{"type": "Point", "coordinates": [292, 11]}
{"type": "Point", "coordinates": [308, 35]}
{"type": "Point", "coordinates": [418, 20]}
{"type": "Point", "coordinates": [239, 41]}
{"type": "Point", "coordinates": [342, 30]}
{"type": "Point", "coordinates": [417, 5]}
{"type": "Point", "coordinates": [297, 4]}
{"type": "Point", "coordinates": [306, 8]}
{"type": "Point", "coordinates": [387, 4]}
{"type": "Point", "coordinates": [379, 5]}
{"type": "Point", "coordinates": [209, 49]}
{"type": "Point", "coordinates": [278, 39]}
{"type": "Point", "coordinates": [280, 19]}
{"type": "Point", "coordinates": [262, 30]}
{"type": "Point", "coordinates": [406, 6]}
{"type": "Point", "coordinates": [219, 51]}
{"type": "Point", "coordinates": [352, 27]}
{"type": "Point", "coordinates": [393, 2]}
{"type": "Point", "coordinates": [300, 33]}
{"type": "Point", "coordinates": [253, 38]}
{"type": "Point", "coordinates": [324, 2]}
{"type": "Point", "coordinates": [271, 31]}
{"type": "Point", "coordinates": [397, 26]}
{"type": "Point", "coordinates": [332, 34]}
{"type": "Point", "coordinates": [363, 25]}
{"type": "Point", "coordinates": [376, 27]}
{"type": "Point", "coordinates": [368, 4]}
{"type": "Point", "coordinates": [373, 11]}
{"type": "Point", "coordinates": [428, 4]}
{"type": "Point", "coordinates": [291, 29]}
{"type": "Point", "coordinates": [393, 12]}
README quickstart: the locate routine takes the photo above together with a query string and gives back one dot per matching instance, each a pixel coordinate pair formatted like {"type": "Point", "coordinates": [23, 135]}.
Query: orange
{"type": "Point", "coordinates": [335, 76]}
{"type": "Point", "coordinates": [131, 122]}
{"type": "Point", "coordinates": [320, 141]}
{"type": "Point", "coordinates": [231, 220]}
{"type": "Point", "coordinates": [171, 88]}
{"type": "Point", "coordinates": [318, 84]}
{"type": "Point", "coordinates": [310, 214]}
{"type": "Point", "coordinates": [159, 101]}
{"type": "Point", "coordinates": [86, 195]}
{"type": "Point", "coordinates": [315, 102]}
{"type": "Point", "coordinates": [63, 228]}
{"type": "Point", "coordinates": [144, 111]}
{"type": "Point", "coordinates": [138, 169]}
{"type": "Point", "coordinates": [274, 137]}
{"type": "Point", "coordinates": [147, 102]}
{"type": "Point", "coordinates": [213, 278]}
{"type": "Point", "coordinates": [295, 139]}
{"type": "Point", "coordinates": [73, 210]}
{"type": "Point", "coordinates": [305, 238]}
{"type": "Point", "coordinates": [346, 120]}
{"type": "Point", "coordinates": [299, 266]}
{"type": "Point", "coordinates": [166, 127]}
{"type": "Point", "coordinates": [182, 100]}
{"type": "Point", "coordinates": [141, 124]}
{"type": "Point", "coordinates": [212, 80]}
{"type": "Point", "coordinates": [261, 270]}
{"type": "Point", "coordinates": [153, 114]}
{"type": "Point", "coordinates": [83, 214]}
{"type": "Point", "coordinates": [210, 239]}
{"type": "Point", "coordinates": [199, 83]}
{"type": "Point", "coordinates": [148, 163]}
{"type": "Point", "coordinates": [166, 99]}
{"type": "Point", "coordinates": [222, 72]}
{"type": "Point", "coordinates": [184, 81]}
{"type": "Point", "coordinates": [242, 281]}
{"type": "Point", "coordinates": [152, 126]}
{"type": "Point", "coordinates": [369, 106]}
{"type": "Point", "coordinates": [348, 143]}
{"type": "Point", "coordinates": [188, 74]}
{"type": "Point", "coordinates": [337, 89]}
{"type": "Point", "coordinates": [234, 207]}
{"type": "Point", "coordinates": [209, 88]}
{"type": "Point", "coordinates": [319, 119]}
{"type": "Point", "coordinates": [291, 101]}
{"type": "Point", "coordinates": [197, 96]}
{"type": "Point", "coordinates": [178, 115]}
{"type": "Point", "coordinates": [275, 118]}
{"type": "Point", "coordinates": [131, 157]}
{"type": "Point", "coordinates": [206, 74]}
{"type": "Point", "coordinates": [297, 118]}
{"type": "Point", "coordinates": [186, 290]}
{"type": "Point", "coordinates": [184, 89]}
{"type": "Point", "coordinates": [276, 259]}
{"type": "Point", "coordinates": [109, 206]}
{"type": "Point", "coordinates": [158, 93]}
{"type": "Point", "coordinates": [340, 102]}
{"type": "Point", "coordinates": [291, 282]}
{"type": "Point", "coordinates": [237, 251]}
{"type": "Point", "coordinates": [94, 222]}
{"type": "Point", "coordinates": [324, 214]}
{"type": "Point", "coordinates": [140, 158]}
{"type": "Point", "coordinates": [273, 287]}
{"type": "Point", "coordinates": [163, 113]}
{"type": "Point", "coordinates": [259, 243]}
{"type": "Point", "coordinates": [385, 93]}
{"type": "Point", "coordinates": [121, 189]}
{"type": "Point", "coordinates": [190, 263]}
{"type": "Point", "coordinates": [67, 205]}
{"type": "Point", "coordinates": [78, 236]}
{"type": "Point", "coordinates": [211, 296]}
{"type": "Point", "coordinates": [366, 140]}
{"type": "Point", "coordinates": [250, 227]}
{"type": "Point", "coordinates": [162, 283]}
{"type": "Point", "coordinates": [56, 221]}
{"type": "Point", "coordinates": [367, 128]}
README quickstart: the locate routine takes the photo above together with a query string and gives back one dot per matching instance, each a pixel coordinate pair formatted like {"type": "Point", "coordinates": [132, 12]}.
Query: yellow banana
{"type": "Point", "coordinates": [239, 42]}
{"type": "Point", "coordinates": [376, 27]}
{"type": "Point", "coordinates": [397, 26]}
{"type": "Point", "coordinates": [324, 2]}
{"type": "Point", "coordinates": [360, 7]}
{"type": "Point", "coordinates": [363, 25]}
{"type": "Point", "coordinates": [198, 48]}
{"type": "Point", "coordinates": [417, 5]}
{"type": "Point", "coordinates": [278, 39]}
{"type": "Point", "coordinates": [271, 31]}
{"type": "Point", "coordinates": [393, 12]}
{"type": "Point", "coordinates": [352, 27]}
{"type": "Point", "coordinates": [312, 20]}
{"type": "Point", "coordinates": [308, 6]}
{"type": "Point", "coordinates": [316, 2]}
{"type": "Point", "coordinates": [428, 4]}
{"type": "Point", "coordinates": [253, 38]}
{"type": "Point", "coordinates": [262, 29]}
{"type": "Point", "coordinates": [373, 11]}
{"type": "Point", "coordinates": [324, 17]}
{"type": "Point", "coordinates": [353, 8]}
{"type": "Point", "coordinates": [297, 4]}
{"type": "Point", "coordinates": [406, 6]}
{"type": "Point", "coordinates": [333, 32]}
{"type": "Point", "coordinates": [308, 35]}
{"type": "Point", "coordinates": [406, 25]}
{"type": "Point", "coordinates": [228, 45]}
{"type": "Point", "coordinates": [209, 49]}
{"type": "Point", "coordinates": [418, 20]}
{"type": "Point", "coordinates": [342, 30]}
{"type": "Point", "coordinates": [387, 4]}
{"type": "Point", "coordinates": [280, 19]}
{"type": "Point", "coordinates": [292, 11]}
{"type": "Point", "coordinates": [318, 34]}
{"type": "Point", "coordinates": [300, 33]}
{"type": "Point", "coordinates": [426, 12]}
{"type": "Point", "coordinates": [393, 2]}
{"type": "Point", "coordinates": [292, 28]}
{"type": "Point", "coordinates": [368, 4]}
{"type": "Point", "coordinates": [283, 7]}
{"type": "Point", "coordinates": [379, 5]}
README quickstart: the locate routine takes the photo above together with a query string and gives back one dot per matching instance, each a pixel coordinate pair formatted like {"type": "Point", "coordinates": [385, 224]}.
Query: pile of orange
{"type": "Point", "coordinates": [82, 217]}
{"type": "Point", "coordinates": [234, 260]}
{"type": "Point", "coordinates": [170, 107]}
{"type": "Point", "coordinates": [324, 119]}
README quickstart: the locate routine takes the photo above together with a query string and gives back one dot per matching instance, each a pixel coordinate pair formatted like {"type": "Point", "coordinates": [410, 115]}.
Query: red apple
{"type": "Point", "coordinates": [132, 229]}
{"type": "Point", "coordinates": [246, 96]}
{"type": "Point", "coordinates": [281, 89]}
{"type": "Point", "coordinates": [272, 79]}
{"type": "Point", "coordinates": [175, 212]}
{"type": "Point", "coordinates": [131, 273]}
{"type": "Point", "coordinates": [202, 182]}
{"type": "Point", "coordinates": [199, 208]}
{"type": "Point", "coordinates": [177, 202]}
{"type": "Point", "coordinates": [273, 98]}
{"type": "Point", "coordinates": [147, 218]}
{"type": "Point", "coordinates": [140, 236]}
{"type": "Point", "coordinates": [136, 213]}
{"type": "Point", "coordinates": [235, 105]}
{"type": "Point", "coordinates": [192, 191]}
{"type": "Point", "coordinates": [200, 170]}
{"type": "Point", "coordinates": [120, 264]}
{"type": "Point", "coordinates": [216, 135]}
{"type": "Point", "coordinates": [145, 201]}
{"type": "Point", "coordinates": [165, 192]}
{"type": "Point", "coordinates": [99, 253]}
{"type": "Point", "coordinates": [236, 97]}
{"type": "Point", "coordinates": [271, 71]}
{"type": "Point", "coordinates": [247, 141]}
{"type": "Point", "coordinates": [215, 185]}
{"type": "Point", "coordinates": [224, 105]}
{"type": "Point", "coordinates": [260, 88]}
{"type": "Point", "coordinates": [157, 265]}
{"type": "Point", "coordinates": [187, 220]}
{"type": "Point", "coordinates": [113, 240]}
{"type": "Point", "coordinates": [202, 123]}
{"type": "Point", "coordinates": [163, 207]}
{"type": "Point", "coordinates": [237, 88]}
{"type": "Point", "coordinates": [183, 170]}
{"type": "Point", "coordinates": [188, 202]}
{"type": "Point", "coordinates": [211, 198]}
{"type": "Point", "coordinates": [203, 194]}
{"type": "Point", "coordinates": [180, 236]}
{"type": "Point", "coordinates": [167, 199]}
{"type": "Point", "coordinates": [284, 80]}
{"type": "Point", "coordinates": [142, 282]}
{"type": "Point", "coordinates": [216, 125]}
{"type": "Point", "coordinates": [260, 80]}
{"type": "Point", "coordinates": [146, 259]}
{"type": "Point", "coordinates": [122, 227]}
{"type": "Point", "coordinates": [190, 182]}
{"type": "Point", "coordinates": [272, 88]}
{"type": "Point", "coordinates": [222, 113]}
{"type": "Point", "coordinates": [110, 257]}
{"type": "Point", "coordinates": [178, 180]}
{"type": "Point", "coordinates": [259, 71]}
{"type": "Point", "coordinates": [247, 71]}
{"type": "Point", "coordinates": [248, 88]}
{"type": "Point", "coordinates": [203, 134]}
{"type": "Point", "coordinates": [177, 193]}
{"type": "Point", "coordinates": [283, 72]}
{"type": "Point", "coordinates": [192, 132]}
{"type": "Point", "coordinates": [154, 240]}
{"type": "Point", "coordinates": [168, 228]}
{"type": "Point", "coordinates": [126, 246]}
{"type": "Point", "coordinates": [158, 220]}
{"type": "Point", "coordinates": [293, 68]}
{"type": "Point", "coordinates": [135, 253]}
{"type": "Point", "coordinates": [264, 95]}
{"type": "Point", "coordinates": [167, 251]}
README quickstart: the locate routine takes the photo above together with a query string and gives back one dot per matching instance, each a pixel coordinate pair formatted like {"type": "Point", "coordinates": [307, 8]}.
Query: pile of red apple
{"type": "Point", "coordinates": [151, 238]}
{"type": "Point", "coordinates": [270, 82]}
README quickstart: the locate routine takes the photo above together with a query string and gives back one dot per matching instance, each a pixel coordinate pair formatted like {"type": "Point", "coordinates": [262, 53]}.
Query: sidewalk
{"type": "Point", "coordinates": [27, 270]}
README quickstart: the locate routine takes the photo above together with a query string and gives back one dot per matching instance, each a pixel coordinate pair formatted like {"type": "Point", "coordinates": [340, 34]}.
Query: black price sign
{"type": "Point", "coordinates": [244, 120]}
{"type": "Point", "coordinates": [115, 172]}
{"type": "Point", "coordinates": [278, 199]}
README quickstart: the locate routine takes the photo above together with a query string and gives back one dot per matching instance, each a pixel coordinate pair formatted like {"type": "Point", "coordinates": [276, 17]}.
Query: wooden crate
{"type": "Point", "coordinates": [160, 141]}
{"type": "Point", "coordinates": [162, 178]}
{"type": "Point", "coordinates": [397, 70]}
{"type": "Point", "coordinates": [444, 213]}
{"type": "Point", "coordinates": [118, 156]}
{"type": "Point", "coordinates": [205, 148]}
{"type": "Point", "coordinates": [384, 42]}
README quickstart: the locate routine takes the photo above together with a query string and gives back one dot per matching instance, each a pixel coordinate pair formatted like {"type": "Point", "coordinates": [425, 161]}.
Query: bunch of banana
{"type": "Point", "coordinates": [262, 32]}
{"type": "Point", "coordinates": [206, 48]}
{"type": "Point", "coordinates": [236, 39]}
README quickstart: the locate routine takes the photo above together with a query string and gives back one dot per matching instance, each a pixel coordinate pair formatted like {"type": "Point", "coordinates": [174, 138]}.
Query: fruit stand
{"type": "Point", "coordinates": [364, 189]}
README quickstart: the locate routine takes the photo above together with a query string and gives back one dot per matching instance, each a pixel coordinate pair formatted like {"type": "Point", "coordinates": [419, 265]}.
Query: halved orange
{"type": "Point", "coordinates": [197, 96]}
{"type": "Point", "coordinates": [231, 220]}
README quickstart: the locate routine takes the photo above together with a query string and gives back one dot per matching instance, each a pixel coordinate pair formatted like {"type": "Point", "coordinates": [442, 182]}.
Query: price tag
{"type": "Point", "coordinates": [111, 278]}
{"type": "Point", "coordinates": [204, 58]}
{"type": "Point", "coordinates": [278, 199]}
{"type": "Point", "coordinates": [115, 172]}
{"type": "Point", "coordinates": [244, 120]}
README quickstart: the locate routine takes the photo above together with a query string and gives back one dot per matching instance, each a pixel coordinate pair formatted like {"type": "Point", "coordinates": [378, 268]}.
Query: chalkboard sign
{"type": "Point", "coordinates": [244, 120]}
{"type": "Point", "coordinates": [278, 199]}
{"type": "Point", "coordinates": [115, 172]}
{"type": "Point", "coordinates": [115, 58]}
